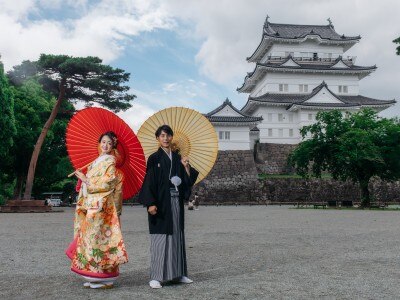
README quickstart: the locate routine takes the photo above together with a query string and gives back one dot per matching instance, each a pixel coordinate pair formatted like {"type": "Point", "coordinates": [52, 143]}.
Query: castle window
{"type": "Point", "coordinates": [280, 132]}
{"type": "Point", "coordinates": [280, 117]}
{"type": "Point", "coordinates": [269, 131]}
{"type": "Point", "coordinates": [224, 135]}
{"type": "Point", "coordinates": [303, 88]}
{"type": "Point", "coordinates": [343, 89]}
{"type": "Point", "coordinates": [269, 117]}
{"type": "Point", "coordinates": [290, 118]}
{"type": "Point", "coordinates": [310, 117]}
{"type": "Point", "coordinates": [290, 132]}
{"type": "Point", "coordinates": [283, 87]}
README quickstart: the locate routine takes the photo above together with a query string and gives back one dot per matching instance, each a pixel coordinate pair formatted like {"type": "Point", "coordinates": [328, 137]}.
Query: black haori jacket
{"type": "Point", "coordinates": [156, 190]}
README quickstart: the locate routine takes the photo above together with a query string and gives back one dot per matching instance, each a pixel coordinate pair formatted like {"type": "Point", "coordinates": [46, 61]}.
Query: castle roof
{"type": "Point", "coordinates": [227, 113]}
{"type": "Point", "coordinates": [337, 66]}
{"type": "Point", "coordinates": [313, 100]}
{"type": "Point", "coordinates": [323, 34]}
{"type": "Point", "coordinates": [293, 31]}
{"type": "Point", "coordinates": [255, 129]}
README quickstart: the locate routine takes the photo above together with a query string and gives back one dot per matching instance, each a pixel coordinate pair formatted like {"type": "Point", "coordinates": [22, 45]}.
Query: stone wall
{"type": "Point", "coordinates": [293, 190]}
{"type": "Point", "coordinates": [272, 158]}
{"type": "Point", "coordinates": [233, 179]}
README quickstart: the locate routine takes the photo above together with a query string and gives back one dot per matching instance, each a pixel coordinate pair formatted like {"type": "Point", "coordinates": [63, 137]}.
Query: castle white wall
{"type": "Point", "coordinates": [239, 137]}
{"type": "Point", "coordinates": [270, 83]}
{"type": "Point", "coordinates": [254, 136]}
{"type": "Point", "coordinates": [278, 124]}
{"type": "Point", "coordinates": [281, 126]}
{"type": "Point", "coordinates": [305, 49]}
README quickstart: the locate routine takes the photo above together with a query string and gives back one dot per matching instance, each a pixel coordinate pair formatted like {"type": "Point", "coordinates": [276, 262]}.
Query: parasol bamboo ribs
{"type": "Point", "coordinates": [194, 137]}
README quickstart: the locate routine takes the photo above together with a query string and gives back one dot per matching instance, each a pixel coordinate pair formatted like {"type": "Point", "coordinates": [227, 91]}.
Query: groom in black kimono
{"type": "Point", "coordinates": [167, 185]}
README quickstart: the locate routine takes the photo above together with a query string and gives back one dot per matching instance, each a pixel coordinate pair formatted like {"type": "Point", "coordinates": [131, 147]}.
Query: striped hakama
{"type": "Point", "coordinates": [168, 254]}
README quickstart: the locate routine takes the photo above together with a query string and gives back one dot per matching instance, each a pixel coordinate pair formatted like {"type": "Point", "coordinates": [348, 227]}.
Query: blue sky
{"type": "Point", "coordinates": [162, 64]}
{"type": "Point", "coordinates": [192, 53]}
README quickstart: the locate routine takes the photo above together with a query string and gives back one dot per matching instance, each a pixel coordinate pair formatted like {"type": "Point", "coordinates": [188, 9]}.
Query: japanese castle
{"type": "Point", "coordinates": [299, 71]}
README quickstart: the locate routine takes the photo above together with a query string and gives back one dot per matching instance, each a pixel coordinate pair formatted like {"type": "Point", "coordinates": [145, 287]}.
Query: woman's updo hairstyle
{"type": "Point", "coordinates": [113, 138]}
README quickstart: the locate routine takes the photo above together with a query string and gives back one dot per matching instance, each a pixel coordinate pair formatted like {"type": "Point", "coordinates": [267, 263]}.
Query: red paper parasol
{"type": "Point", "coordinates": [83, 132]}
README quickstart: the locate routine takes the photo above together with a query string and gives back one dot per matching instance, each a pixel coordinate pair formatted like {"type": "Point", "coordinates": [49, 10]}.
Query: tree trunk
{"type": "Point", "coordinates": [18, 187]}
{"type": "Point", "coordinates": [39, 143]}
{"type": "Point", "coordinates": [365, 195]}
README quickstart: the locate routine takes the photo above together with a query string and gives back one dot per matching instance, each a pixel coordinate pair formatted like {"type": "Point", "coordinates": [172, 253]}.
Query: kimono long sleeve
{"type": "Point", "coordinates": [118, 192]}
{"type": "Point", "coordinates": [148, 193]}
{"type": "Point", "coordinates": [189, 181]}
{"type": "Point", "coordinates": [104, 183]}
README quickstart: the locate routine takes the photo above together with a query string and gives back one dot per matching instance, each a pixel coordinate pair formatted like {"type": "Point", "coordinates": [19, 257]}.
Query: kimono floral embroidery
{"type": "Point", "coordinates": [100, 248]}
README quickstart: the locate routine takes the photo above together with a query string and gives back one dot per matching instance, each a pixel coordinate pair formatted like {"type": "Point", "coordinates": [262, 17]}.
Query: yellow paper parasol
{"type": "Point", "coordinates": [194, 136]}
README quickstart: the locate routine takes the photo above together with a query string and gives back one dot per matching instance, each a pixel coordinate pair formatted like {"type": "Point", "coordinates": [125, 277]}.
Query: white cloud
{"type": "Point", "coordinates": [190, 94]}
{"type": "Point", "coordinates": [103, 30]}
{"type": "Point", "coordinates": [227, 31]}
{"type": "Point", "coordinates": [184, 93]}
{"type": "Point", "coordinates": [170, 87]}
{"type": "Point", "coordinates": [16, 9]}
{"type": "Point", "coordinates": [136, 115]}
{"type": "Point", "coordinates": [231, 30]}
{"type": "Point", "coordinates": [188, 87]}
{"type": "Point", "coordinates": [58, 4]}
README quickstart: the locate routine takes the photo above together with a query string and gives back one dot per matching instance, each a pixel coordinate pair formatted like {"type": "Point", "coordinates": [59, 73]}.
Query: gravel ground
{"type": "Point", "coordinates": [244, 252]}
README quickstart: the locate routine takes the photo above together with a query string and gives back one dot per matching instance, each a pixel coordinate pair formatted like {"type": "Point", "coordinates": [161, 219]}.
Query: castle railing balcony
{"type": "Point", "coordinates": [316, 59]}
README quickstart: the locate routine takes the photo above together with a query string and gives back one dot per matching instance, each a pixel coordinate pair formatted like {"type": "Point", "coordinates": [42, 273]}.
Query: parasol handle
{"type": "Point", "coordinates": [72, 174]}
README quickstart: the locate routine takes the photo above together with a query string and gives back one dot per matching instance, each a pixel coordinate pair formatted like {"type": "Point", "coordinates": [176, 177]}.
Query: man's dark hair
{"type": "Point", "coordinates": [166, 129]}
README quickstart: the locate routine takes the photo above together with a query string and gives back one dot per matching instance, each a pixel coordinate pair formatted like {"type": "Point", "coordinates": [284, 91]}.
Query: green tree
{"type": "Point", "coordinates": [353, 147]}
{"type": "Point", "coordinates": [7, 133]}
{"type": "Point", "coordinates": [72, 78]}
{"type": "Point", "coordinates": [54, 160]}
{"type": "Point", "coordinates": [33, 106]}
{"type": "Point", "coordinates": [397, 41]}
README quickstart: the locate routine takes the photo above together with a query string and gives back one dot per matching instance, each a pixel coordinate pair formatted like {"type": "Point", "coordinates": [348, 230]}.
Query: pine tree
{"type": "Point", "coordinates": [70, 79]}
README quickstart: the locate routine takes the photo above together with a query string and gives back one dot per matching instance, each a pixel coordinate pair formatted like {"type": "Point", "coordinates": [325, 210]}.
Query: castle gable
{"type": "Point", "coordinates": [340, 65]}
{"type": "Point", "coordinates": [324, 95]}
